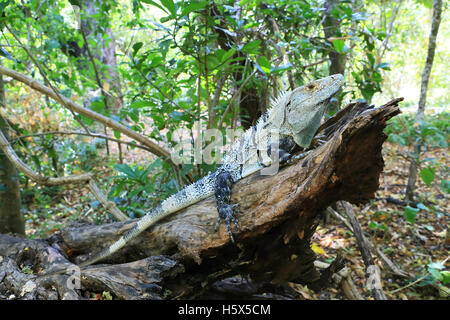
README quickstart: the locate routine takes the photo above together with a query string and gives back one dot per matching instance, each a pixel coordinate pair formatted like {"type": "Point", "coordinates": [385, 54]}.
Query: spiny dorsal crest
{"type": "Point", "coordinates": [281, 97]}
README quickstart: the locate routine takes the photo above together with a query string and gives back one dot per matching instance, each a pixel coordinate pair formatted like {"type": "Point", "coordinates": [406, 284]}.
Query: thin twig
{"type": "Point", "coordinates": [5, 146]}
{"type": "Point", "coordinates": [46, 79]}
{"type": "Point", "coordinates": [97, 77]}
{"type": "Point", "coordinates": [90, 134]}
{"type": "Point", "coordinates": [416, 281]}
{"type": "Point", "coordinates": [215, 102]}
{"type": "Point", "coordinates": [110, 206]}
{"type": "Point", "coordinates": [397, 271]}
{"type": "Point", "coordinates": [36, 85]}
{"type": "Point", "coordinates": [283, 52]}
{"type": "Point", "coordinates": [235, 95]}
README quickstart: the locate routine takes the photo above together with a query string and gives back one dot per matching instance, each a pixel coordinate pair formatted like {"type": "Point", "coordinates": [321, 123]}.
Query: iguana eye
{"type": "Point", "coordinates": [311, 86]}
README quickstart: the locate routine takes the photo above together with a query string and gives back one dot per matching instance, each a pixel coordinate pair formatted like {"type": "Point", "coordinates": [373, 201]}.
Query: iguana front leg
{"type": "Point", "coordinates": [222, 192]}
{"type": "Point", "coordinates": [285, 148]}
{"type": "Point", "coordinates": [317, 141]}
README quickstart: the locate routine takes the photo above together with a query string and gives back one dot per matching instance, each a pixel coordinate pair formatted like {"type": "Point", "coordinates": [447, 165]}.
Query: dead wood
{"type": "Point", "coordinates": [182, 256]}
{"type": "Point", "coordinates": [371, 269]}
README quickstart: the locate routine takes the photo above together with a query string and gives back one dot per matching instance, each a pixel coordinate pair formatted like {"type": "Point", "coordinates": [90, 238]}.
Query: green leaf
{"type": "Point", "coordinates": [373, 225]}
{"type": "Point", "coordinates": [427, 3]}
{"type": "Point", "coordinates": [252, 45]}
{"type": "Point", "coordinates": [159, 120]}
{"type": "Point", "coordinates": [156, 61]}
{"type": "Point", "coordinates": [410, 214]}
{"type": "Point", "coordinates": [136, 47]}
{"type": "Point", "coordinates": [141, 104]}
{"type": "Point", "coordinates": [436, 274]}
{"type": "Point", "coordinates": [170, 5]}
{"type": "Point", "coordinates": [264, 64]}
{"type": "Point", "coordinates": [228, 54]}
{"type": "Point", "coordinates": [371, 58]}
{"type": "Point", "coordinates": [86, 120]}
{"type": "Point", "coordinates": [98, 106]}
{"type": "Point", "coordinates": [126, 170]}
{"type": "Point", "coordinates": [445, 186]}
{"type": "Point", "coordinates": [427, 175]}
{"type": "Point", "coordinates": [445, 277]}
{"type": "Point", "coordinates": [193, 6]}
{"type": "Point", "coordinates": [133, 114]}
{"type": "Point", "coordinates": [282, 68]}
{"type": "Point", "coordinates": [153, 3]}
{"type": "Point", "coordinates": [436, 265]}
{"type": "Point", "coordinates": [377, 77]}
{"type": "Point", "coordinates": [339, 45]}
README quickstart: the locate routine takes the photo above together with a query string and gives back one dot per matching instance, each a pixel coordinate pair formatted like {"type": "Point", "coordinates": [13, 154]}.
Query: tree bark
{"type": "Point", "coordinates": [331, 28]}
{"type": "Point", "coordinates": [253, 102]}
{"type": "Point", "coordinates": [182, 256]}
{"type": "Point", "coordinates": [415, 154]}
{"type": "Point", "coordinates": [11, 219]}
{"type": "Point", "coordinates": [104, 51]}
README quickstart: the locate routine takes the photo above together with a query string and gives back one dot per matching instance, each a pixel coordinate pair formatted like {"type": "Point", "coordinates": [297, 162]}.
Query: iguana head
{"type": "Point", "coordinates": [305, 107]}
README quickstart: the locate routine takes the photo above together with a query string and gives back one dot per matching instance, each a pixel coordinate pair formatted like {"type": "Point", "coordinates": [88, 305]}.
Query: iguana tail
{"type": "Point", "coordinates": [145, 222]}
{"type": "Point", "coordinates": [139, 227]}
{"type": "Point", "coordinates": [193, 193]}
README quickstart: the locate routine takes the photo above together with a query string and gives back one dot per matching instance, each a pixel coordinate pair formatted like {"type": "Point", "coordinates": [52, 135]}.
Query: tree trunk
{"type": "Point", "coordinates": [254, 101]}
{"type": "Point", "coordinates": [331, 28]}
{"type": "Point", "coordinates": [182, 256]}
{"type": "Point", "coordinates": [104, 52]}
{"type": "Point", "coordinates": [415, 154]}
{"type": "Point", "coordinates": [11, 219]}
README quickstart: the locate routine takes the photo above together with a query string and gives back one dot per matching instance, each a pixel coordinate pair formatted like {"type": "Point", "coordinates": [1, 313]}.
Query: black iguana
{"type": "Point", "coordinates": [294, 117]}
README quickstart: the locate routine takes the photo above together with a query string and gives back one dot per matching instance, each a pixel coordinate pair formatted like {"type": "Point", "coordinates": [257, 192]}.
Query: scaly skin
{"type": "Point", "coordinates": [293, 116]}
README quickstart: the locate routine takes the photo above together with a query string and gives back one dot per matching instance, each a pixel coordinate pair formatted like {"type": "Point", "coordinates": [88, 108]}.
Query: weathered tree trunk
{"type": "Point", "coordinates": [11, 219]}
{"type": "Point", "coordinates": [415, 154]}
{"type": "Point", "coordinates": [182, 257]}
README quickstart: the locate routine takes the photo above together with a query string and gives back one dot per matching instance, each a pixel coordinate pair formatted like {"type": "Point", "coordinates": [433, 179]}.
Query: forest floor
{"type": "Point", "coordinates": [417, 248]}
{"type": "Point", "coordinates": [415, 240]}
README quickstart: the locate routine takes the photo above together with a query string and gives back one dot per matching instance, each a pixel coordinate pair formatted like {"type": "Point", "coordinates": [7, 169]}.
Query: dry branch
{"type": "Point", "coordinates": [36, 85]}
{"type": "Point", "coordinates": [47, 81]}
{"type": "Point", "coordinates": [365, 252]}
{"type": "Point", "coordinates": [89, 134]}
{"type": "Point", "coordinates": [278, 216]}
{"type": "Point", "coordinates": [52, 181]}
{"type": "Point", "coordinates": [392, 267]}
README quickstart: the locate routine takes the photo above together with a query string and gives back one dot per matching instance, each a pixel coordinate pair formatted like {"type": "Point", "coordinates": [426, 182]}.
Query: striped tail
{"type": "Point", "coordinates": [184, 198]}
{"type": "Point", "coordinates": [137, 229]}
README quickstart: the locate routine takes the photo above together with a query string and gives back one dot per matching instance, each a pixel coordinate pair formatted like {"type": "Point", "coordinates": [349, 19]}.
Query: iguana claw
{"type": "Point", "coordinates": [226, 213]}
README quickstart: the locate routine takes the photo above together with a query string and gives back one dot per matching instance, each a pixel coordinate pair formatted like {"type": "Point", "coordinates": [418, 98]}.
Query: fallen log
{"type": "Point", "coordinates": [182, 256]}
